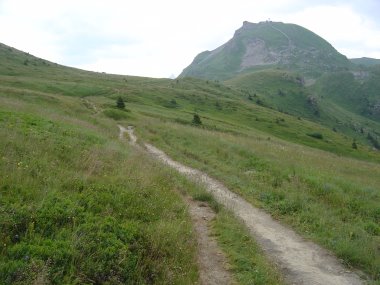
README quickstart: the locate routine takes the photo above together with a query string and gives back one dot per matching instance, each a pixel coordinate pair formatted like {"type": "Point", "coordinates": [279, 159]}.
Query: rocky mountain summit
{"type": "Point", "coordinates": [268, 44]}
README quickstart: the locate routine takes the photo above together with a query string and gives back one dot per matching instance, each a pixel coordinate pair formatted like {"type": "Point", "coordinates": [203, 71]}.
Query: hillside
{"type": "Point", "coordinates": [80, 206]}
{"type": "Point", "coordinates": [70, 213]}
{"type": "Point", "coordinates": [281, 90]}
{"type": "Point", "coordinates": [357, 92]}
{"type": "Point", "coordinates": [344, 101]}
{"type": "Point", "coordinates": [365, 61]}
{"type": "Point", "coordinates": [268, 44]}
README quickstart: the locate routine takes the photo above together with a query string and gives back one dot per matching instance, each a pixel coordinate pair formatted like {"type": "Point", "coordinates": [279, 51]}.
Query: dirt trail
{"type": "Point", "coordinates": [301, 261]}
{"type": "Point", "coordinates": [211, 259]}
{"type": "Point", "coordinates": [212, 262]}
{"type": "Point", "coordinates": [129, 131]}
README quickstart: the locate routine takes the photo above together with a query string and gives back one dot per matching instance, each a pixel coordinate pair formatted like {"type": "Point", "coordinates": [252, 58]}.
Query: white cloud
{"type": "Point", "coordinates": [160, 38]}
{"type": "Point", "coordinates": [350, 33]}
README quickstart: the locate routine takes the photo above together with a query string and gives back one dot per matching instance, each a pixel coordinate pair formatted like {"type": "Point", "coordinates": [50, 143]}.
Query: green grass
{"type": "Point", "coordinates": [246, 258]}
{"type": "Point", "coordinates": [278, 89]}
{"type": "Point", "coordinates": [79, 207]}
{"type": "Point", "coordinates": [328, 198]}
{"type": "Point", "coordinates": [116, 114]}
{"type": "Point", "coordinates": [359, 96]}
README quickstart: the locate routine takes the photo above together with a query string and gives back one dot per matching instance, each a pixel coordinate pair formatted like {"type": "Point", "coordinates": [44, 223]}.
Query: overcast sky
{"type": "Point", "coordinates": [160, 38]}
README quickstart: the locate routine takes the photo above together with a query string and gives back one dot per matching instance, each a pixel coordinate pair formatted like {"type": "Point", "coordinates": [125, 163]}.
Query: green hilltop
{"type": "Point", "coordinates": [264, 45]}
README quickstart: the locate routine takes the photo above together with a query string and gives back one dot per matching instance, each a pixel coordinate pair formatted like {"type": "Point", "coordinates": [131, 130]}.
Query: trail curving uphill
{"type": "Point", "coordinates": [301, 261]}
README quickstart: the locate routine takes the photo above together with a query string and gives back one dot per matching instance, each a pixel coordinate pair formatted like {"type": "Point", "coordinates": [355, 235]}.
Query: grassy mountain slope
{"type": "Point", "coordinates": [279, 63]}
{"type": "Point", "coordinates": [361, 96]}
{"type": "Point", "coordinates": [77, 205]}
{"type": "Point", "coordinates": [337, 100]}
{"type": "Point", "coordinates": [275, 88]}
{"type": "Point", "coordinates": [60, 147]}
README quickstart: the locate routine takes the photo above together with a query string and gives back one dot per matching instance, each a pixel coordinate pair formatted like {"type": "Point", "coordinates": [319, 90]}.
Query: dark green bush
{"type": "Point", "coordinates": [197, 120]}
{"type": "Point", "coordinates": [315, 135]}
{"type": "Point", "coordinates": [120, 103]}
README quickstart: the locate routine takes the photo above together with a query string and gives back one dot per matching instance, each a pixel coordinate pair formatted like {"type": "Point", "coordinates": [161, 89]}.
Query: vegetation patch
{"type": "Point", "coordinates": [246, 258]}
{"type": "Point", "coordinates": [315, 135]}
{"type": "Point", "coordinates": [78, 207]}
{"type": "Point", "coordinates": [116, 114]}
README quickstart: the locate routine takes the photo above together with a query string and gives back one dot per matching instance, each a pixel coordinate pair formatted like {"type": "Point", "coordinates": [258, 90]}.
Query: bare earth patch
{"type": "Point", "coordinates": [211, 259]}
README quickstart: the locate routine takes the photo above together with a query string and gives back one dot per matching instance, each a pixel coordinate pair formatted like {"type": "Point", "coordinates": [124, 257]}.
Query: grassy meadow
{"type": "Point", "coordinates": [78, 206]}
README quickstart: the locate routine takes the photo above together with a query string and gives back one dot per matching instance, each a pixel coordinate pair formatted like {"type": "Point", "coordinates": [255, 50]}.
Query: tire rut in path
{"type": "Point", "coordinates": [212, 262]}
{"type": "Point", "coordinates": [301, 261]}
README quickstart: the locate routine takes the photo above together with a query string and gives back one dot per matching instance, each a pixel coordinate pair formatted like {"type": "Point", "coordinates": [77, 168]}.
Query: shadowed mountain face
{"type": "Point", "coordinates": [267, 45]}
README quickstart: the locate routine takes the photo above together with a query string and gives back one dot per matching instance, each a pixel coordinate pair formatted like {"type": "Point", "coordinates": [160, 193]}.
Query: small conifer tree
{"type": "Point", "coordinates": [354, 145]}
{"type": "Point", "coordinates": [120, 103]}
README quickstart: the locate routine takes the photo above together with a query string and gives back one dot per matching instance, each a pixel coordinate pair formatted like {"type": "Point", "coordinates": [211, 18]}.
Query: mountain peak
{"type": "Point", "coordinates": [268, 44]}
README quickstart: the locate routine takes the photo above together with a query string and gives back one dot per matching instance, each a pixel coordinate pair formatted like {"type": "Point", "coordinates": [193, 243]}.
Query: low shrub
{"type": "Point", "coordinates": [315, 135]}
